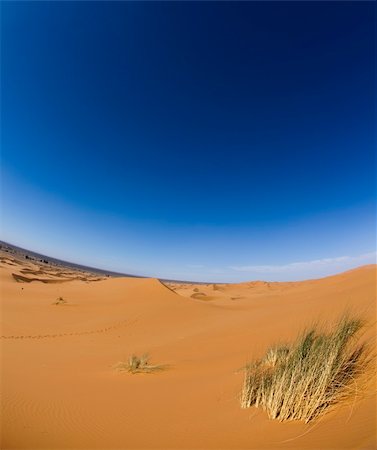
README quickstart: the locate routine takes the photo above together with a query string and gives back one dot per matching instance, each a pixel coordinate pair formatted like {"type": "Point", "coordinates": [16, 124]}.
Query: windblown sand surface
{"type": "Point", "coordinates": [60, 389]}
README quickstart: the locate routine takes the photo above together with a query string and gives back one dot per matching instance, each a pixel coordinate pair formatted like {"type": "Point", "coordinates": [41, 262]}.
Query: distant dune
{"type": "Point", "coordinates": [63, 330]}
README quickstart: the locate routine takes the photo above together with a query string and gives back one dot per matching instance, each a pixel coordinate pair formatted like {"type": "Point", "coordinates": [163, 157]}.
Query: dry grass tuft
{"type": "Point", "coordinates": [303, 380]}
{"type": "Point", "coordinates": [60, 301]}
{"type": "Point", "coordinates": [136, 364]}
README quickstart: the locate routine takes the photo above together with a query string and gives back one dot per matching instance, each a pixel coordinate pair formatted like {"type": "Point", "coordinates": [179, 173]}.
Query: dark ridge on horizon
{"type": "Point", "coordinates": [62, 262]}
{"type": "Point", "coordinates": [95, 270]}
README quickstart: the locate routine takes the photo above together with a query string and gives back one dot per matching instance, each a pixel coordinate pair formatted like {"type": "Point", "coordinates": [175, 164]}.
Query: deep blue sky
{"type": "Point", "coordinates": [197, 140]}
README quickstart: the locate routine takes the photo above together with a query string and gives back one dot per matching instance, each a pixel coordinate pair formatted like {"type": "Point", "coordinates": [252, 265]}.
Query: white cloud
{"type": "Point", "coordinates": [217, 271]}
{"type": "Point", "coordinates": [324, 263]}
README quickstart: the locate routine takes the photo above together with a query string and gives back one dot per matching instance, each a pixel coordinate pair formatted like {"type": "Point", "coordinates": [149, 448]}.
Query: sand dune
{"type": "Point", "coordinates": [60, 389]}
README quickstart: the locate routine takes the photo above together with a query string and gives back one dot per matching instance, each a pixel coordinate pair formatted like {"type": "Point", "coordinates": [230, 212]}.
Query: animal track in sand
{"type": "Point", "coordinates": [77, 333]}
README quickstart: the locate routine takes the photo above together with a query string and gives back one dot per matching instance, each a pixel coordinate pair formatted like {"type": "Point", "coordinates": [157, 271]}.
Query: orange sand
{"type": "Point", "coordinates": [60, 390]}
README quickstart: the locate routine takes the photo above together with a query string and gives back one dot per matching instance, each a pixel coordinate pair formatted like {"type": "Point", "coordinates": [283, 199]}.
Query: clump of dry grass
{"type": "Point", "coordinates": [303, 380]}
{"type": "Point", "coordinates": [60, 301]}
{"type": "Point", "coordinates": [136, 364]}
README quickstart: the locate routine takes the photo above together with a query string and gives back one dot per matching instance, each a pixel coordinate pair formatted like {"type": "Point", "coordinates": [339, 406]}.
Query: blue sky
{"type": "Point", "coordinates": [196, 140]}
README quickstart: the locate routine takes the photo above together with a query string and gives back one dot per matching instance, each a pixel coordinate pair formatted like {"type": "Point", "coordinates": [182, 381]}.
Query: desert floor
{"type": "Point", "coordinates": [59, 388]}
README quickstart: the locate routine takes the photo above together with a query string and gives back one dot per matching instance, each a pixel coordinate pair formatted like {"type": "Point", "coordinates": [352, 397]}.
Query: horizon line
{"type": "Point", "coordinates": [128, 275]}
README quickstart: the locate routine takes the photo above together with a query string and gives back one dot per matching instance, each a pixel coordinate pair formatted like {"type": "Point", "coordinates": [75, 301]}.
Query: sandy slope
{"type": "Point", "coordinates": [59, 388]}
